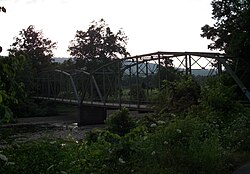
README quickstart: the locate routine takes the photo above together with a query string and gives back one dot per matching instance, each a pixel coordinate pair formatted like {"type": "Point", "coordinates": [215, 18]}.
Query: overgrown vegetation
{"type": "Point", "coordinates": [230, 33]}
{"type": "Point", "coordinates": [205, 137]}
{"type": "Point", "coordinates": [11, 91]}
{"type": "Point", "coordinates": [197, 129]}
{"type": "Point", "coordinates": [28, 55]}
{"type": "Point", "coordinates": [177, 96]}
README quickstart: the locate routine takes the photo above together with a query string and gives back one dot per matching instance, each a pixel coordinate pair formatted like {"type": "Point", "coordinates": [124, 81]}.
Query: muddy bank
{"type": "Point", "coordinates": [28, 129]}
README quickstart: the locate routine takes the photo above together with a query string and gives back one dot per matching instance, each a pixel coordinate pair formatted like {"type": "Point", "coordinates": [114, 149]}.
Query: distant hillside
{"type": "Point", "coordinates": [152, 66]}
{"type": "Point", "coordinates": [60, 59]}
{"type": "Point", "coordinates": [142, 67]}
{"type": "Point", "coordinates": [203, 72]}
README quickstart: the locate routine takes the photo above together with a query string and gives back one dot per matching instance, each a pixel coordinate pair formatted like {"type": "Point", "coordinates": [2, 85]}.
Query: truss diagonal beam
{"type": "Point", "coordinates": [236, 79]}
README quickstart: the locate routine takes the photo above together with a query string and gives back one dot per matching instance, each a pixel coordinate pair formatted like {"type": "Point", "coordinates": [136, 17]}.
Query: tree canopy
{"type": "Point", "coordinates": [231, 33]}
{"type": "Point", "coordinates": [98, 44]}
{"type": "Point", "coordinates": [37, 51]}
{"type": "Point", "coordinates": [34, 46]}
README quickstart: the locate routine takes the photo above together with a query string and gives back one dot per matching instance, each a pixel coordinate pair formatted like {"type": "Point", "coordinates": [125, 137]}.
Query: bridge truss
{"type": "Point", "coordinates": [131, 81]}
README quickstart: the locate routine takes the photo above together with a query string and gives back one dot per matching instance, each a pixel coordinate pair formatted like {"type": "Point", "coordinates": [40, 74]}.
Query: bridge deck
{"type": "Point", "coordinates": [108, 105]}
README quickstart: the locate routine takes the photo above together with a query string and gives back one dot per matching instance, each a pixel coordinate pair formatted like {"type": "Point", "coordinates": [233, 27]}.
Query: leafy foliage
{"type": "Point", "coordinates": [98, 45]}
{"type": "Point", "coordinates": [33, 45]}
{"type": "Point", "coordinates": [11, 92]}
{"type": "Point", "coordinates": [94, 48]}
{"type": "Point", "coordinates": [177, 96]}
{"type": "Point", "coordinates": [98, 42]}
{"type": "Point", "coordinates": [120, 122]}
{"type": "Point", "coordinates": [218, 96]}
{"type": "Point", "coordinates": [39, 157]}
{"type": "Point", "coordinates": [210, 135]}
{"type": "Point", "coordinates": [37, 51]}
{"type": "Point", "coordinates": [230, 33]}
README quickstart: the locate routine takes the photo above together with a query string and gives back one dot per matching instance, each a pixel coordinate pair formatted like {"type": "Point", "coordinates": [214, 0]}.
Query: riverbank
{"type": "Point", "coordinates": [34, 128]}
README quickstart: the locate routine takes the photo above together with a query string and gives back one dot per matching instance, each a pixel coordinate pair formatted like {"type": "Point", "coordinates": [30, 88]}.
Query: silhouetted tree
{"type": "Point", "coordinates": [231, 33]}
{"type": "Point", "coordinates": [33, 45]}
{"type": "Point", "coordinates": [37, 51]}
{"type": "Point", "coordinates": [98, 45]}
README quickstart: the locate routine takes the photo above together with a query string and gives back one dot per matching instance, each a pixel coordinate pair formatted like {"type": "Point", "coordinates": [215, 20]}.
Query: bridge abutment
{"type": "Point", "coordinates": [92, 115]}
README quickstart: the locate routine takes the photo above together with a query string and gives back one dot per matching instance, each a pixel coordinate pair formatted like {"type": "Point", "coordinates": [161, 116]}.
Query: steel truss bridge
{"type": "Point", "coordinates": [129, 82]}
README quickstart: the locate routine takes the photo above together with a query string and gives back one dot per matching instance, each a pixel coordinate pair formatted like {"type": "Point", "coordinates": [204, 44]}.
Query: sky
{"type": "Point", "coordinates": [151, 25]}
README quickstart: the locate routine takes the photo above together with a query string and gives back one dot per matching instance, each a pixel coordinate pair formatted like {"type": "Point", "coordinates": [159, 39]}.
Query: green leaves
{"type": "Point", "coordinates": [36, 52]}
{"type": "Point", "coordinates": [98, 43]}
{"type": "Point", "coordinates": [231, 33]}
{"type": "Point", "coordinates": [230, 20]}
{"type": "Point", "coordinates": [177, 96]}
{"type": "Point", "coordinates": [36, 48]}
{"type": "Point", "coordinates": [120, 122]}
{"type": "Point", "coordinates": [11, 91]}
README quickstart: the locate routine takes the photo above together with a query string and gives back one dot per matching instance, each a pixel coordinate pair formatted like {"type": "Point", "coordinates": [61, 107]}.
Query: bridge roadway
{"type": "Point", "coordinates": [107, 105]}
{"type": "Point", "coordinates": [94, 112]}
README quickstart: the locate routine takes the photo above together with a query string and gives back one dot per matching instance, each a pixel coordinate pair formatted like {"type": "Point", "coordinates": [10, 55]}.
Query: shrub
{"type": "Point", "coordinates": [177, 96]}
{"type": "Point", "coordinates": [40, 157]}
{"type": "Point", "coordinates": [185, 145]}
{"type": "Point", "coordinates": [120, 122]}
{"type": "Point", "coordinates": [219, 97]}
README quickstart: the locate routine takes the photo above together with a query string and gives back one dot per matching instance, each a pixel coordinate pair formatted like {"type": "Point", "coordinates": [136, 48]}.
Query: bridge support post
{"type": "Point", "coordinates": [92, 115]}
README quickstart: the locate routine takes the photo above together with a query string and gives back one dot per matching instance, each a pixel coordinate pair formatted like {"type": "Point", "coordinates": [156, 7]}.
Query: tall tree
{"type": "Point", "coordinates": [97, 45]}
{"type": "Point", "coordinates": [37, 51]}
{"type": "Point", "coordinates": [231, 33]}
{"type": "Point", "coordinates": [34, 46]}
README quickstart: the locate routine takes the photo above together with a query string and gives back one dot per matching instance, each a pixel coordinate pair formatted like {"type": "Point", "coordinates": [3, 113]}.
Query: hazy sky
{"type": "Point", "coordinates": [151, 25]}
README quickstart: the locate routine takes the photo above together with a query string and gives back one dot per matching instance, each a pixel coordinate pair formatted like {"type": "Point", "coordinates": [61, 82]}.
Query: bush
{"type": "Point", "coordinates": [120, 122]}
{"type": "Point", "coordinates": [177, 96]}
{"type": "Point", "coordinates": [40, 157]}
{"type": "Point", "coordinates": [219, 97]}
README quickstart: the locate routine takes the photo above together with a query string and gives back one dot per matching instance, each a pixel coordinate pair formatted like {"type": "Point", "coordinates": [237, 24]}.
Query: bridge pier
{"type": "Point", "coordinates": [92, 115]}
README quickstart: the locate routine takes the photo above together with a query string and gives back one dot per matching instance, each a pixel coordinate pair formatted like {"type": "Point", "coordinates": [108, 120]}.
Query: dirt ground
{"type": "Point", "coordinates": [63, 127]}
{"type": "Point", "coordinates": [33, 128]}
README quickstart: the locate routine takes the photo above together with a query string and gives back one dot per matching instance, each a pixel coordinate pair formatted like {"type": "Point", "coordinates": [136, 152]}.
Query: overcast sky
{"type": "Point", "coordinates": [151, 25]}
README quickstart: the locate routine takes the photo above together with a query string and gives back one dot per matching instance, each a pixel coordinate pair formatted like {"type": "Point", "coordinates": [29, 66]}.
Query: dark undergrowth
{"type": "Point", "coordinates": [211, 136]}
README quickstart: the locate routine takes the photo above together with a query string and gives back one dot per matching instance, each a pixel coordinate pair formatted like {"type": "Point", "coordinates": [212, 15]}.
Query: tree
{"type": "Point", "coordinates": [98, 45]}
{"type": "Point", "coordinates": [36, 48]}
{"type": "Point", "coordinates": [231, 33]}
{"type": "Point", "coordinates": [37, 51]}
